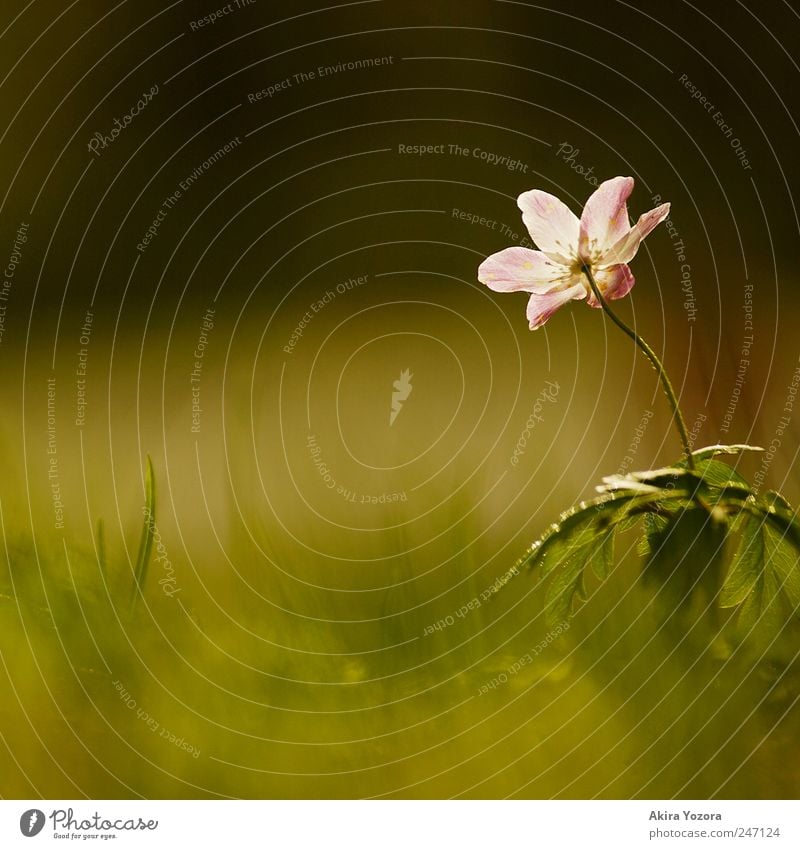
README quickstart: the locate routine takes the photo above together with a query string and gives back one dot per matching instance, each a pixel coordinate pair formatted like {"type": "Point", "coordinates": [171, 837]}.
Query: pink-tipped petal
{"type": "Point", "coordinates": [541, 307]}
{"type": "Point", "coordinates": [519, 269]}
{"type": "Point", "coordinates": [614, 283]}
{"type": "Point", "coordinates": [552, 225]}
{"type": "Point", "coordinates": [625, 249]}
{"type": "Point", "coordinates": [605, 217]}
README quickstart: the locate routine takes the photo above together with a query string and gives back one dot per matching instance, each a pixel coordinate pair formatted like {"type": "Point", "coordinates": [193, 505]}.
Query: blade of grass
{"type": "Point", "coordinates": [148, 532]}
{"type": "Point", "coordinates": [101, 547]}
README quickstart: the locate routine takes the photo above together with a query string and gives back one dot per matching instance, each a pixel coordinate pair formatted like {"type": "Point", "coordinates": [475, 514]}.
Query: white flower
{"type": "Point", "coordinates": [601, 240]}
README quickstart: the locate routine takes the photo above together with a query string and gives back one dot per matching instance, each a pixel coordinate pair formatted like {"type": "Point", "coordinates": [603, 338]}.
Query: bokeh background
{"type": "Point", "coordinates": [302, 631]}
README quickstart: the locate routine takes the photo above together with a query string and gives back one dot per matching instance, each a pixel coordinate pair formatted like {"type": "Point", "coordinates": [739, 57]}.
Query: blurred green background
{"type": "Point", "coordinates": [286, 644]}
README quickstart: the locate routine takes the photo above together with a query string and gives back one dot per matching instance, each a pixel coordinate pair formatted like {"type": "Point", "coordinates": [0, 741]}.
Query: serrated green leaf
{"type": "Point", "coordinates": [686, 554]}
{"type": "Point", "coordinates": [780, 518]}
{"type": "Point", "coordinates": [577, 526]}
{"type": "Point", "coordinates": [629, 522]}
{"type": "Point", "coordinates": [777, 500]}
{"type": "Point", "coordinates": [719, 474]}
{"type": "Point", "coordinates": [569, 581]}
{"type": "Point", "coordinates": [764, 578]}
{"type": "Point", "coordinates": [654, 525]}
{"type": "Point", "coordinates": [747, 564]}
{"type": "Point", "coordinates": [760, 617]}
{"type": "Point", "coordinates": [582, 537]}
{"type": "Point", "coordinates": [719, 483]}
{"type": "Point", "coordinates": [602, 558]}
{"type": "Point", "coordinates": [782, 559]}
{"type": "Point", "coordinates": [581, 590]}
{"type": "Point", "coordinates": [688, 514]}
{"type": "Point", "coordinates": [561, 591]}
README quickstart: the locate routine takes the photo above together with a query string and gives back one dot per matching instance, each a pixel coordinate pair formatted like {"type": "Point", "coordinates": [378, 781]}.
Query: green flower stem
{"type": "Point", "coordinates": [656, 363]}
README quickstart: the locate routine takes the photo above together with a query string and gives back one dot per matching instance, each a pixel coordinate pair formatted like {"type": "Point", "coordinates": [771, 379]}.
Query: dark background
{"type": "Point", "coordinates": [511, 78]}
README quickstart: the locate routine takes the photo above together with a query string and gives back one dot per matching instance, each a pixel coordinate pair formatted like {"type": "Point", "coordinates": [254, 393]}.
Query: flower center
{"type": "Point", "coordinates": [583, 268]}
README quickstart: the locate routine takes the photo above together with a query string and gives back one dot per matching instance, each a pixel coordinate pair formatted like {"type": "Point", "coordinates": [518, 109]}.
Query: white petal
{"type": "Point", "coordinates": [614, 283]}
{"type": "Point", "coordinates": [519, 269]}
{"type": "Point", "coordinates": [541, 307]}
{"type": "Point", "coordinates": [605, 217]}
{"type": "Point", "coordinates": [552, 225]}
{"type": "Point", "coordinates": [625, 249]}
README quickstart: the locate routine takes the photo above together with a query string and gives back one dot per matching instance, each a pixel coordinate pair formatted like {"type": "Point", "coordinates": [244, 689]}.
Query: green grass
{"type": "Point", "coordinates": [148, 534]}
{"type": "Point", "coordinates": [235, 696]}
{"type": "Point", "coordinates": [299, 666]}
